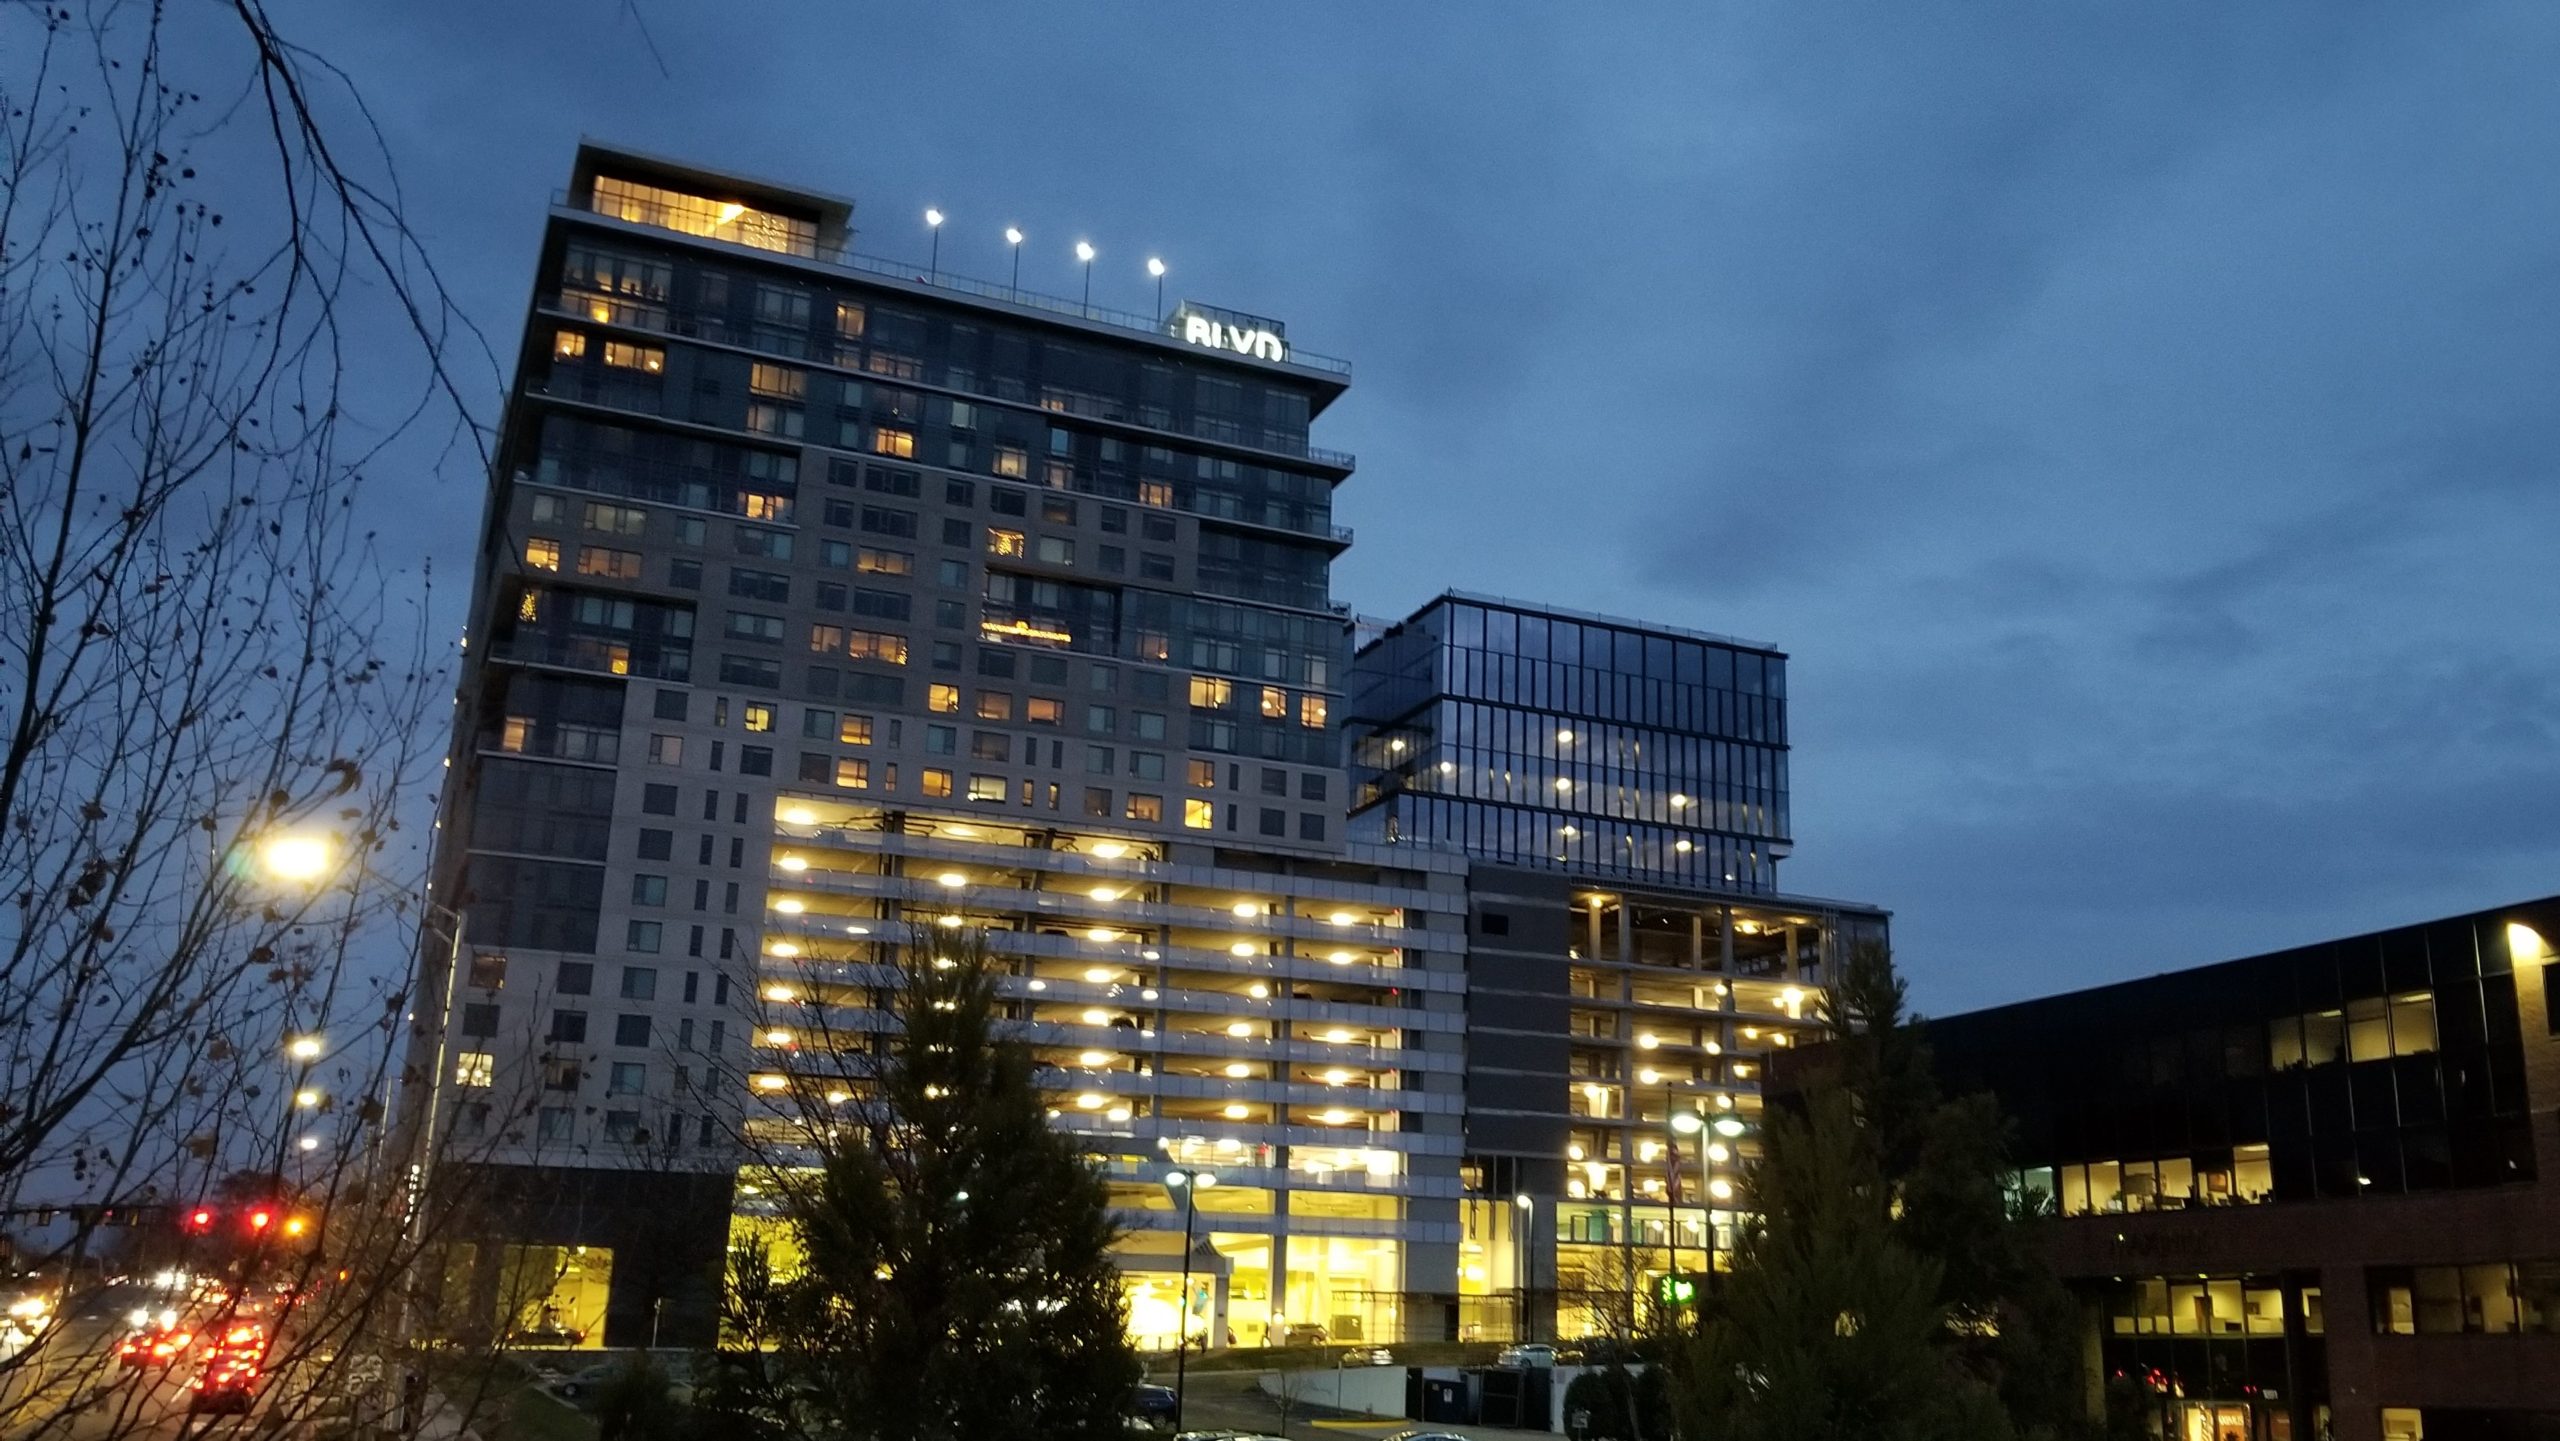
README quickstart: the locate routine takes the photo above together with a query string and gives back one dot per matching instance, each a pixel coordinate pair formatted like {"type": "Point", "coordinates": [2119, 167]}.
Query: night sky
{"type": "Point", "coordinates": [2139, 423]}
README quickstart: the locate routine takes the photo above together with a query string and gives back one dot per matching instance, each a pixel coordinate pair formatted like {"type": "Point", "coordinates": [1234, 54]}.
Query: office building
{"type": "Point", "coordinates": [1620, 791]}
{"type": "Point", "coordinates": [818, 596]}
{"type": "Point", "coordinates": [2308, 1194]}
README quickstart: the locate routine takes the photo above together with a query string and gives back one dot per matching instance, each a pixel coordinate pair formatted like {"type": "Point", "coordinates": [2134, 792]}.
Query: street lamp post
{"type": "Point", "coordinates": [1184, 1186]}
{"type": "Point", "coordinates": [1155, 267]}
{"type": "Point", "coordinates": [1013, 237]}
{"type": "Point", "coordinates": [1527, 1253]}
{"type": "Point", "coordinates": [1728, 1127]}
{"type": "Point", "coordinates": [1085, 253]}
{"type": "Point", "coordinates": [1683, 1123]}
{"type": "Point", "coordinates": [933, 222]}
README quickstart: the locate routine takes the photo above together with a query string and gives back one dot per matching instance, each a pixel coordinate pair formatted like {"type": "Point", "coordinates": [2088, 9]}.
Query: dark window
{"type": "Point", "coordinates": [1493, 923]}
{"type": "Point", "coordinates": [1311, 827]}
{"type": "Point", "coordinates": [881, 520]}
{"type": "Point", "coordinates": [657, 845]}
{"type": "Point", "coordinates": [684, 574]}
{"type": "Point", "coordinates": [631, 1030]}
{"type": "Point", "coordinates": [1274, 822]}
{"type": "Point", "coordinates": [671, 704]}
{"type": "Point", "coordinates": [755, 761]}
{"type": "Point", "coordinates": [657, 800]}
{"type": "Point", "coordinates": [480, 1019]}
{"type": "Point", "coordinates": [577, 978]}
{"type": "Point", "coordinates": [569, 1027]}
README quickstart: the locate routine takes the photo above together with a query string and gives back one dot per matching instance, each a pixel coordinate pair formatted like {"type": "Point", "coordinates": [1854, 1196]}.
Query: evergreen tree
{"type": "Point", "coordinates": [955, 1278]}
{"type": "Point", "coordinates": [1883, 1180]}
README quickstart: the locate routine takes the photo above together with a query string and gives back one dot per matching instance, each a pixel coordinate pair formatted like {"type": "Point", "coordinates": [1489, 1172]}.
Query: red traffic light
{"type": "Point", "coordinates": [200, 1220]}
{"type": "Point", "coordinates": [259, 1220]}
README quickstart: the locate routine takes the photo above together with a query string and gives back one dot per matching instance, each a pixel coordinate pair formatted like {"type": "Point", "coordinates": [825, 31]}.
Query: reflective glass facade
{"type": "Point", "coordinates": [1548, 738]}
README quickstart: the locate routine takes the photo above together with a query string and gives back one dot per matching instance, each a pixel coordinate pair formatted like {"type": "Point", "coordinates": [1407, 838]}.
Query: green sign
{"type": "Point", "coordinates": [1675, 1290]}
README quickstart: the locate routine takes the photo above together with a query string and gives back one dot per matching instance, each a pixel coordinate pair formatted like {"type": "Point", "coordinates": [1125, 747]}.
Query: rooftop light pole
{"type": "Point", "coordinates": [933, 222]}
{"type": "Point", "coordinates": [1155, 267]}
{"type": "Point", "coordinates": [1685, 1123]}
{"type": "Point", "coordinates": [1013, 237]}
{"type": "Point", "coordinates": [1085, 252]}
{"type": "Point", "coordinates": [1525, 1254]}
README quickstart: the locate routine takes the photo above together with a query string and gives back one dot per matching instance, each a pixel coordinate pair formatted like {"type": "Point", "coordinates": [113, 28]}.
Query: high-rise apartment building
{"type": "Point", "coordinates": [821, 597]}
{"type": "Point", "coordinates": [1620, 791]}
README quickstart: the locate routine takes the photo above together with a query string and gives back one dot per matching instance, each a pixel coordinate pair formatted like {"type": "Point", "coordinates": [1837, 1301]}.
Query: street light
{"type": "Point", "coordinates": [1184, 1186]}
{"type": "Point", "coordinates": [1085, 253]}
{"type": "Point", "coordinates": [305, 1048]}
{"type": "Point", "coordinates": [1528, 1253]}
{"type": "Point", "coordinates": [300, 857]}
{"type": "Point", "coordinates": [933, 222]}
{"type": "Point", "coordinates": [1155, 268]}
{"type": "Point", "coordinates": [1687, 1123]}
{"type": "Point", "coordinates": [1013, 237]}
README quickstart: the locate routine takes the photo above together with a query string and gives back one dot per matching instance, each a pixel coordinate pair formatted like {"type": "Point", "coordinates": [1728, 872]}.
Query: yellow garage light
{"type": "Point", "coordinates": [1237, 1113]}
{"type": "Point", "coordinates": [1333, 1118]}
{"type": "Point", "coordinates": [1238, 1070]}
{"type": "Point", "coordinates": [1102, 933]}
{"type": "Point", "coordinates": [1648, 1041]}
{"type": "Point", "coordinates": [1096, 1017]}
{"type": "Point", "coordinates": [1337, 1035]}
{"type": "Point", "coordinates": [953, 879]}
{"type": "Point", "coordinates": [791, 905]}
{"type": "Point", "coordinates": [1090, 1101]}
{"type": "Point", "coordinates": [1337, 1078]}
{"type": "Point", "coordinates": [1106, 893]}
{"type": "Point", "coordinates": [1341, 958]}
{"type": "Point", "coordinates": [1242, 948]}
{"type": "Point", "coordinates": [1094, 1058]}
{"type": "Point", "coordinates": [1649, 1076]}
{"type": "Point", "coordinates": [1258, 991]}
{"type": "Point", "coordinates": [1110, 850]}
{"type": "Point", "coordinates": [1117, 1113]}
{"type": "Point", "coordinates": [1341, 918]}
{"type": "Point", "coordinates": [800, 816]}
{"type": "Point", "coordinates": [777, 1037]}
{"type": "Point", "coordinates": [792, 863]}
{"type": "Point", "coordinates": [1246, 910]}
{"type": "Point", "coordinates": [838, 1097]}
{"type": "Point", "coordinates": [1099, 974]}
{"type": "Point", "coordinates": [1240, 1029]}
{"type": "Point", "coordinates": [771, 1083]}
{"type": "Point", "coordinates": [784, 949]}
{"type": "Point", "coordinates": [780, 993]}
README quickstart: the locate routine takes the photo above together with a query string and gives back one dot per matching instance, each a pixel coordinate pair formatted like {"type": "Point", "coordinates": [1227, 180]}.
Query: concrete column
{"type": "Point", "coordinates": [2355, 1412]}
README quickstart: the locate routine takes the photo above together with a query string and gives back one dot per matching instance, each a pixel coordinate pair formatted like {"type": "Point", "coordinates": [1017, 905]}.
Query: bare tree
{"type": "Point", "coordinates": [217, 695]}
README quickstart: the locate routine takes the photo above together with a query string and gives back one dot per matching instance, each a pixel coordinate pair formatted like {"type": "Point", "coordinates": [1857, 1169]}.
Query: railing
{"type": "Point", "coordinates": [935, 277]}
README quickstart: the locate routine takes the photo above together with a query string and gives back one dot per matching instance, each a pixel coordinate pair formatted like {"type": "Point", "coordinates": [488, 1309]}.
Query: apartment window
{"type": "Point", "coordinates": [648, 890]}
{"type": "Point", "coordinates": [624, 355]}
{"type": "Point", "coordinates": [1311, 786]}
{"type": "Point", "coordinates": [569, 1028]}
{"type": "Point", "coordinates": [1010, 461]}
{"type": "Point", "coordinates": [1005, 500]}
{"type": "Point", "coordinates": [854, 730]}
{"type": "Point", "coordinates": [1004, 542]}
{"type": "Point", "coordinates": [986, 788]}
{"type": "Point", "coordinates": [1043, 711]}
{"type": "Point", "coordinates": [1098, 760]}
{"type": "Point", "coordinates": [849, 319]}
{"type": "Point", "coordinates": [1149, 725]}
{"type": "Point", "coordinates": [1311, 712]}
{"type": "Point", "coordinates": [1204, 775]}
{"type": "Point", "coordinates": [684, 574]}
{"type": "Point", "coordinates": [1209, 692]}
{"type": "Point", "coordinates": [758, 716]}
{"type": "Point", "coordinates": [542, 554]}
{"type": "Point", "coordinates": [615, 519]}
{"type": "Point", "coordinates": [755, 761]}
{"type": "Point", "coordinates": [595, 560]}
{"type": "Point", "coordinates": [1101, 720]}
{"type": "Point", "coordinates": [569, 344]}
{"type": "Point", "coordinates": [1146, 808]}
{"type": "Point", "coordinates": [1199, 815]}
{"type": "Point", "coordinates": [853, 775]}
{"type": "Point", "coordinates": [631, 1030]}
{"type": "Point", "coordinates": [876, 645]}
{"type": "Point", "coordinates": [1097, 802]}
{"type": "Point", "coordinates": [644, 936]}
{"type": "Point", "coordinates": [763, 585]}
{"type": "Point", "coordinates": [1057, 550]}
{"type": "Point", "coordinates": [959, 492]}
{"type": "Point", "coordinates": [480, 1019]}
{"type": "Point", "coordinates": [942, 697]}
{"type": "Point", "coordinates": [990, 746]}
{"type": "Point", "coordinates": [779, 381]}
{"type": "Point", "coordinates": [887, 520]}
{"type": "Point", "coordinates": [627, 1078]}
{"type": "Point", "coordinates": [747, 670]}
{"type": "Point", "coordinates": [995, 705]}
{"type": "Point", "coordinates": [622, 1127]}
{"type": "Point", "coordinates": [656, 845]}
{"type": "Point", "coordinates": [1275, 703]}
{"type": "Point", "coordinates": [868, 561]}
{"type": "Point", "coordinates": [549, 508]}
{"type": "Point", "coordinates": [1274, 822]}
{"type": "Point", "coordinates": [488, 971]}
{"type": "Point", "coordinates": [1146, 765]}
{"type": "Point", "coordinates": [1310, 826]}
{"type": "Point", "coordinates": [889, 440]}
{"type": "Point", "coordinates": [552, 1123]}
{"type": "Point", "coordinates": [957, 533]}
{"type": "Point", "coordinates": [749, 626]}
{"type": "Point", "coordinates": [936, 782]}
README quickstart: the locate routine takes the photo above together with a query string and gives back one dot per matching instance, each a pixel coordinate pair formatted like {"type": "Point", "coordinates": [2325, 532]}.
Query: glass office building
{"type": "Point", "coordinates": [1550, 738]}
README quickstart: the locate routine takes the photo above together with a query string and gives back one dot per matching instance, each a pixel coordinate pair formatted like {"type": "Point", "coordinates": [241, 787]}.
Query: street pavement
{"type": "Point", "coordinates": [1234, 1401]}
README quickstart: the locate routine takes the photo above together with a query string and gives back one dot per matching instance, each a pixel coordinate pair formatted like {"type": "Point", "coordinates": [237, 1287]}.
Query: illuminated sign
{"type": "Point", "coordinates": [1242, 334]}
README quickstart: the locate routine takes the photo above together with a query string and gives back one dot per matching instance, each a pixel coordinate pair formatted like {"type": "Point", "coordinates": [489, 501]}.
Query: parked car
{"type": "Point", "coordinates": [1368, 1356]}
{"type": "Point", "coordinates": [1418, 1434]}
{"type": "Point", "coordinates": [1304, 1333]}
{"type": "Point", "coordinates": [1154, 1405]}
{"type": "Point", "coordinates": [1534, 1353]}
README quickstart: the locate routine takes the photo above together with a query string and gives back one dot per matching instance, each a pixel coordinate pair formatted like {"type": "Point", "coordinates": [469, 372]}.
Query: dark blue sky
{"type": "Point", "coordinates": [2140, 423]}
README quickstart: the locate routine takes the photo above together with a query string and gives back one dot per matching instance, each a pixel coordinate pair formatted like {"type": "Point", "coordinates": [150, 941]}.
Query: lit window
{"type": "Point", "coordinates": [888, 440]}
{"type": "Point", "coordinates": [1209, 692]}
{"type": "Point", "coordinates": [994, 705]}
{"type": "Point", "coordinates": [1311, 712]}
{"type": "Point", "coordinates": [542, 554]}
{"type": "Point", "coordinates": [884, 562]}
{"type": "Point", "coordinates": [1155, 492]}
{"type": "Point", "coordinates": [729, 220]}
{"type": "Point", "coordinates": [942, 697]}
{"type": "Point", "coordinates": [1004, 542]}
{"type": "Point", "coordinates": [876, 645]}
{"type": "Point", "coordinates": [1146, 808]}
{"type": "Point", "coordinates": [756, 505]}
{"type": "Point", "coordinates": [623, 355]}
{"type": "Point", "coordinates": [854, 775]}
{"type": "Point", "coordinates": [850, 319]}
{"type": "Point", "coordinates": [570, 344]}
{"type": "Point", "coordinates": [779, 381]}
{"type": "Point", "coordinates": [937, 782]}
{"type": "Point", "coordinates": [825, 638]}
{"type": "Point", "coordinates": [529, 605]}
{"type": "Point", "coordinates": [475, 1069]}
{"type": "Point", "coordinates": [617, 659]}
{"type": "Point", "coordinates": [1042, 711]}
{"type": "Point", "coordinates": [759, 717]}
{"type": "Point", "coordinates": [1010, 461]}
{"type": "Point", "coordinates": [1199, 815]}
{"type": "Point", "coordinates": [986, 788]}
{"type": "Point", "coordinates": [518, 731]}
{"type": "Point", "coordinates": [854, 730]}
{"type": "Point", "coordinates": [596, 560]}
{"type": "Point", "coordinates": [1275, 703]}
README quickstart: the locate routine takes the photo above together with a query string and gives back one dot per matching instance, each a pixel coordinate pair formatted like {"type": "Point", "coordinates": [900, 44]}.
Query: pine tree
{"type": "Point", "coordinates": [955, 1277]}
{"type": "Point", "coordinates": [1880, 1175]}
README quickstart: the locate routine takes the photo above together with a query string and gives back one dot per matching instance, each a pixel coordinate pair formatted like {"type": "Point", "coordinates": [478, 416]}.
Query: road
{"type": "Point", "coordinates": [71, 1386]}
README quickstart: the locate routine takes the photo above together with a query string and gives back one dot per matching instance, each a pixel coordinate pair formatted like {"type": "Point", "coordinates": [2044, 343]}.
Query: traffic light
{"type": "Point", "coordinates": [260, 1220]}
{"type": "Point", "coordinates": [199, 1220]}
{"type": "Point", "coordinates": [1675, 1290]}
